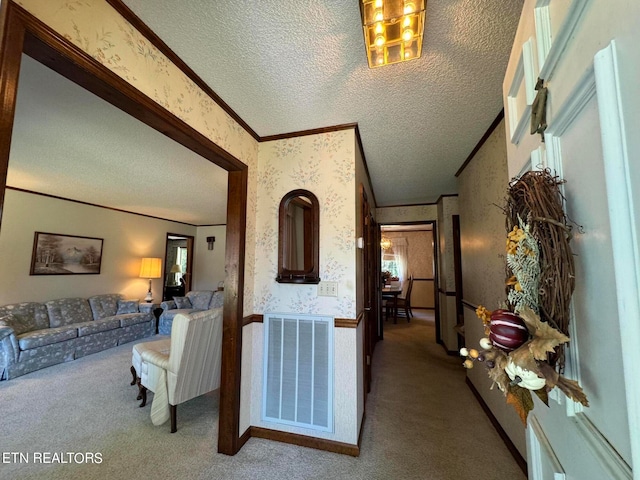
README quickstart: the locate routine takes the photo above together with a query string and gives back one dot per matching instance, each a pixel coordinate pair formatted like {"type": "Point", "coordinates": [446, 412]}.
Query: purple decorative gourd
{"type": "Point", "coordinates": [507, 331]}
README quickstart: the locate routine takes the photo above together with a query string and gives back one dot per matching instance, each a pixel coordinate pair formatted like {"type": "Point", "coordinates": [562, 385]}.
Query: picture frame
{"type": "Point", "coordinates": [60, 254]}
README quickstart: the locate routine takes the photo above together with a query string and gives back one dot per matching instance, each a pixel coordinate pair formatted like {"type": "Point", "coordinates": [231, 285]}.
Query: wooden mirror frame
{"type": "Point", "coordinates": [307, 275]}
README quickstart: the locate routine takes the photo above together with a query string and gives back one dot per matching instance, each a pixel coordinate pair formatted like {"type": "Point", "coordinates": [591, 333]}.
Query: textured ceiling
{"type": "Point", "coordinates": [282, 66]}
{"type": "Point", "coordinates": [69, 143]}
{"type": "Point", "coordinates": [286, 66]}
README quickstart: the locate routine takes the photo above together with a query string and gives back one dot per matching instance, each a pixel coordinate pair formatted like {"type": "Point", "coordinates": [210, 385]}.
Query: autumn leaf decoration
{"type": "Point", "coordinates": [524, 354]}
{"type": "Point", "coordinates": [521, 400]}
{"type": "Point", "coordinates": [545, 338]}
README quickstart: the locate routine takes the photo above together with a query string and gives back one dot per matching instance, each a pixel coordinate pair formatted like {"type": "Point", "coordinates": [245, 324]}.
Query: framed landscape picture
{"type": "Point", "coordinates": [56, 254]}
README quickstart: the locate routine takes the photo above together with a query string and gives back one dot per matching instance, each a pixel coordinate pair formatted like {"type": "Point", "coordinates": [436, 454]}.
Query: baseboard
{"type": "Point", "coordinates": [446, 350]}
{"type": "Point", "coordinates": [244, 438]}
{"type": "Point", "coordinates": [522, 463]}
{"type": "Point", "coordinates": [364, 417]}
{"type": "Point", "coordinates": [304, 441]}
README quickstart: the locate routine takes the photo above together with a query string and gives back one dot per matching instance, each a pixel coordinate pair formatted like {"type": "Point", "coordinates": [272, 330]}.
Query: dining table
{"type": "Point", "coordinates": [391, 292]}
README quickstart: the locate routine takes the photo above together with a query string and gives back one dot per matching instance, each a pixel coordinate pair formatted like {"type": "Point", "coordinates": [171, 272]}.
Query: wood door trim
{"type": "Point", "coordinates": [337, 322]}
{"type": "Point", "coordinates": [305, 441]}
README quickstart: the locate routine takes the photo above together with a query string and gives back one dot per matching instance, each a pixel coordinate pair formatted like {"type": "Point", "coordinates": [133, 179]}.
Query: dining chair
{"type": "Point", "coordinates": [404, 302]}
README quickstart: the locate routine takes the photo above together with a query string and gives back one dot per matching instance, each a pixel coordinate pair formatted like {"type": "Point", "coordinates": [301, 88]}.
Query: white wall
{"type": "Point", "coordinates": [127, 238]}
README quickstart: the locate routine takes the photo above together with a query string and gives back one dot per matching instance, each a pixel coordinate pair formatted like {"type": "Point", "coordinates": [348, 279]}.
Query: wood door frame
{"type": "Point", "coordinates": [22, 32]}
{"type": "Point", "coordinates": [457, 270]}
{"type": "Point", "coordinates": [434, 233]}
{"type": "Point", "coordinates": [368, 296]}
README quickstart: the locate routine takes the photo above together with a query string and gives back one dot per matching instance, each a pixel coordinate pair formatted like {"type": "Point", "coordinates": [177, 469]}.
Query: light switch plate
{"type": "Point", "coordinates": [328, 289]}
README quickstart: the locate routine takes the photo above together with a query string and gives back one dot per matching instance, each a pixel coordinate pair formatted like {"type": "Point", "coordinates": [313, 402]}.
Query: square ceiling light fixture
{"type": "Point", "coordinates": [393, 30]}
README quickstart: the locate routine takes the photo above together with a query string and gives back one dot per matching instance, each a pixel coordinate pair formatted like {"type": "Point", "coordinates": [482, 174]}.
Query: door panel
{"type": "Point", "coordinates": [580, 161]}
{"type": "Point", "coordinates": [587, 56]}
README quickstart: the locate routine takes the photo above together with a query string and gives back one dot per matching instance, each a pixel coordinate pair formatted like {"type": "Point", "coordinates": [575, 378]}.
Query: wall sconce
{"type": "Point", "coordinates": [210, 242]}
{"type": "Point", "coordinates": [393, 30]}
{"type": "Point", "coordinates": [150, 268]}
{"type": "Point", "coordinates": [385, 243]}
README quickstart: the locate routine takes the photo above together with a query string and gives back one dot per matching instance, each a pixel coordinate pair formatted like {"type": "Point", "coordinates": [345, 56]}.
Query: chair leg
{"type": "Point", "coordinates": [172, 413]}
{"type": "Point", "coordinates": [140, 387]}
{"type": "Point", "coordinates": [143, 394]}
{"type": "Point", "coordinates": [135, 375]}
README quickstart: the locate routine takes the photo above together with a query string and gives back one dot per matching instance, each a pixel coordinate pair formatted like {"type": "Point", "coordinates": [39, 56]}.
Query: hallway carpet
{"type": "Point", "coordinates": [422, 423]}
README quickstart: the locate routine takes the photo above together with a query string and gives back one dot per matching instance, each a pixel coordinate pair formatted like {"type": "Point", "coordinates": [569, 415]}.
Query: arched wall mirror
{"type": "Point", "coordinates": [298, 238]}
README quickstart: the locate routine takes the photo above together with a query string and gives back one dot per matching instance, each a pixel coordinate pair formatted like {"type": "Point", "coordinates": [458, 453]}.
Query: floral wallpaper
{"type": "Point", "coordinates": [96, 28]}
{"type": "Point", "coordinates": [324, 164]}
{"type": "Point", "coordinates": [412, 213]}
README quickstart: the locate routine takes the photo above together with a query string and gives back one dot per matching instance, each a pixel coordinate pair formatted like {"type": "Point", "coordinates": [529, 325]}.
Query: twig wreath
{"type": "Point", "coordinates": [524, 347]}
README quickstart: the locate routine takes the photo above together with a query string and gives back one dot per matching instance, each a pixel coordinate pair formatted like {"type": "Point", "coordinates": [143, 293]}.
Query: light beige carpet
{"type": "Point", "coordinates": [422, 423]}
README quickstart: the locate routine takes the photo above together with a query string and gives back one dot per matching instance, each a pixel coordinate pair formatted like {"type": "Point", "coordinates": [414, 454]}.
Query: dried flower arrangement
{"type": "Point", "coordinates": [524, 345]}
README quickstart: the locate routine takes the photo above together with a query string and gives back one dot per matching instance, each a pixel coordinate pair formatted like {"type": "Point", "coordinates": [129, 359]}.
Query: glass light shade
{"type": "Point", "coordinates": [385, 243]}
{"type": "Point", "coordinates": [151, 268]}
{"type": "Point", "coordinates": [393, 30]}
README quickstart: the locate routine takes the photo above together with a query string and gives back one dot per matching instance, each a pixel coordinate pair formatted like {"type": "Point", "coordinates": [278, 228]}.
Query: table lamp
{"type": "Point", "coordinates": [150, 268]}
{"type": "Point", "coordinates": [175, 269]}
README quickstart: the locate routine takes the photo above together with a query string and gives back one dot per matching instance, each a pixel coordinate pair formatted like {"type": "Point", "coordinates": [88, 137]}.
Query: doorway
{"type": "Point", "coordinates": [178, 266]}
{"type": "Point", "coordinates": [23, 33]}
{"type": "Point", "coordinates": [409, 249]}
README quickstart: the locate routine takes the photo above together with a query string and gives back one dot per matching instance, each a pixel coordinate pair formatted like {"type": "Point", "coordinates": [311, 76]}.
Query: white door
{"type": "Point", "coordinates": [586, 52]}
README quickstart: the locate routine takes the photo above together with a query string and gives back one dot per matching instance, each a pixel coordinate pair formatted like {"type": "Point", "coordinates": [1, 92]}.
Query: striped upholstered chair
{"type": "Point", "coordinates": [190, 369]}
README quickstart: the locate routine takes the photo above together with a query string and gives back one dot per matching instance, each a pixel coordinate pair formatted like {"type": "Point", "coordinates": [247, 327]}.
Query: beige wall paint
{"type": "Point", "coordinates": [482, 186]}
{"type": "Point", "coordinates": [208, 265]}
{"type": "Point", "coordinates": [127, 238]}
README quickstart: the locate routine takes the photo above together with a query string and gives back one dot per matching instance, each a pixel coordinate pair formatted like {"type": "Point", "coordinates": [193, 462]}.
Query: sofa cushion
{"type": "Point", "coordinates": [6, 325]}
{"type": "Point", "coordinates": [217, 299]}
{"type": "Point", "coordinates": [127, 319]}
{"type": "Point", "coordinates": [200, 299]}
{"type": "Point", "coordinates": [95, 326]}
{"type": "Point", "coordinates": [182, 302]}
{"type": "Point", "coordinates": [103, 306]}
{"type": "Point", "coordinates": [67, 311]}
{"type": "Point", "coordinates": [26, 317]}
{"type": "Point", "coordinates": [48, 336]}
{"type": "Point", "coordinates": [127, 306]}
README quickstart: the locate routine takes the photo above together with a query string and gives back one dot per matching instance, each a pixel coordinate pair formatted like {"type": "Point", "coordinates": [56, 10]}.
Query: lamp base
{"type": "Point", "coordinates": [149, 297]}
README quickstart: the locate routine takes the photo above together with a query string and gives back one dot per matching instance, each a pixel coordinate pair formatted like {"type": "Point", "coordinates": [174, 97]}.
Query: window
{"type": "Point", "coordinates": [390, 264]}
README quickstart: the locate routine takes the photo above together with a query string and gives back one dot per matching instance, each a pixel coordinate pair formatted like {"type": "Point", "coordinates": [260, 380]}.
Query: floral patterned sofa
{"type": "Point", "coordinates": [37, 335]}
{"type": "Point", "coordinates": [194, 301]}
